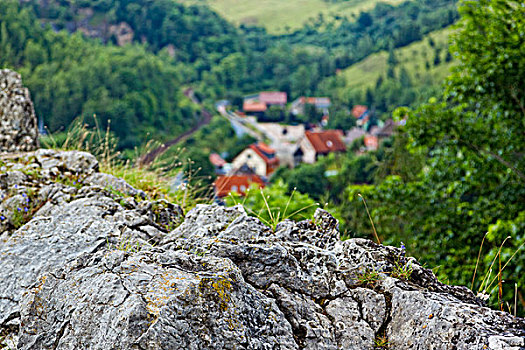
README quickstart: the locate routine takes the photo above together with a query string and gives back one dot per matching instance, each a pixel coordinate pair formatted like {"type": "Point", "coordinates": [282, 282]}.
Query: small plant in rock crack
{"type": "Point", "coordinates": [381, 342]}
{"type": "Point", "coordinates": [402, 271]}
{"type": "Point", "coordinates": [402, 268]}
{"type": "Point", "coordinates": [7, 342]}
{"type": "Point", "coordinates": [71, 180]}
{"type": "Point", "coordinates": [24, 211]}
{"type": "Point", "coordinates": [127, 245]}
{"type": "Point", "coordinates": [368, 277]}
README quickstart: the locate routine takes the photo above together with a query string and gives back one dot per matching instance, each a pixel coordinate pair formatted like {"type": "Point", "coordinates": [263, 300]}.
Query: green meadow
{"type": "Point", "coordinates": [413, 58]}
{"type": "Point", "coordinates": [279, 16]}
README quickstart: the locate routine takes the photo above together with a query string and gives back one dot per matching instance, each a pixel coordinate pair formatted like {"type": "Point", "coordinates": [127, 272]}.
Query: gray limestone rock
{"type": "Point", "coordinates": [150, 300]}
{"type": "Point", "coordinates": [323, 286]}
{"type": "Point", "coordinates": [113, 184]}
{"type": "Point", "coordinates": [101, 269]}
{"type": "Point", "coordinates": [18, 124]}
{"type": "Point", "coordinates": [74, 162]}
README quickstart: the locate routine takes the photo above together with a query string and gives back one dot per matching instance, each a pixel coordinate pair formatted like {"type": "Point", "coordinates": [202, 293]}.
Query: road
{"type": "Point", "coordinates": [240, 125]}
{"type": "Point", "coordinates": [148, 158]}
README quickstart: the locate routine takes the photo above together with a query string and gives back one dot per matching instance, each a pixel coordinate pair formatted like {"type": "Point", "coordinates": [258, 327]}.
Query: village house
{"type": "Point", "coordinates": [221, 166]}
{"type": "Point", "coordinates": [259, 103]}
{"type": "Point", "coordinates": [259, 157]}
{"type": "Point", "coordinates": [224, 185]}
{"type": "Point", "coordinates": [377, 133]}
{"type": "Point", "coordinates": [361, 113]}
{"type": "Point", "coordinates": [322, 104]}
{"type": "Point", "coordinates": [354, 134]}
{"type": "Point", "coordinates": [320, 143]}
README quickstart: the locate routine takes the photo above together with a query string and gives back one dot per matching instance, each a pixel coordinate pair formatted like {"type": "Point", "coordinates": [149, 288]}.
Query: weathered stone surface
{"type": "Point", "coordinates": [75, 162]}
{"type": "Point", "coordinates": [66, 218]}
{"type": "Point", "coordinates": [99, 268]}
{"type": "Point", "coordinates": [18, 124]}
{"type": "Point", "coordinates": [322, 294]}
{"type": "Point", "coordinates": [114, 184]}
{"type": "Point", "coordinates": [150, 300]}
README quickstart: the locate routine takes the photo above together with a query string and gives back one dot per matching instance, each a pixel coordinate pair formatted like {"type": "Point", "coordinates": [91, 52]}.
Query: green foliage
{"type": "Point", "coordinates": [368, 277]}
{"type": "Point", "coordinates": [70, 76]}
{"type": "Point", "coordinates": [275, 204]}
{"type": "Point", "coordinates": [340, 119]}
{"type": "Point", "coordinates": [394, 78]}
{"type": "Point", "coordinates": [381, 342]}
{"type": "Point", "coordinates": [196, 32]}
{"type": "Point", "coordinates": [127, 244]}
{"type": "Point", "coordinates": [306, 178]}
{"type": "Point", "coordinates": [402, 270]}
{"type": "Point", "coordinates": [472, 179]}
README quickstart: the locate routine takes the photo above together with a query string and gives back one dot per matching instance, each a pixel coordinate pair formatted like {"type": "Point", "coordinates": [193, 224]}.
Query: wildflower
{"type": "Point", "coordinates": [25, 209]}
{"type": "Point", "coordinates": [74, 182]}
{"type": "Point", "coordinates": [24, 195]}
{"type": "Point", "coordinates": [18, 209]}
{"type": "Point", "coordinates": [2, 217]}
{"type": "Point", "coordinates": [403, 250]}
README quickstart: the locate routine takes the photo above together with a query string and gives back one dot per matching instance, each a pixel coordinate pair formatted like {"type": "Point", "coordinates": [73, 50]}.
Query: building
{"type": "Point", "coordinates": [354, 134]}
{"type": "Point", "coordinates": [224, 185]}
{"type": "Point", "coordinates": [371, 142]}
{"type": "Point", "coordinates": [320, 143]}
{"type": "Point", "coordinates": [259, 157]}
{"type": "Point", "coordinates": [361, 113]}
{"type": "Point", "coordinates": [259, 103]}
{"type": "Point", "coordinates": [221, 166]}
{"type": "Point", "coordinates": [322, 104]}
{"type": "Point", "coordinates": [273, 98]}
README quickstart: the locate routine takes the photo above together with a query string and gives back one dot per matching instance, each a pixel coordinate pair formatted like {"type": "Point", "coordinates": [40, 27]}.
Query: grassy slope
{"type": "Point", "coordinates": [413, 57]}
{"type": "Point", "coordinates": [277, 15]}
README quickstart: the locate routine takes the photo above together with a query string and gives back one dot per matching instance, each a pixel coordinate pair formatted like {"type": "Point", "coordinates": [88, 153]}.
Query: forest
{"type": "Point", "coordinates": [139, 84]}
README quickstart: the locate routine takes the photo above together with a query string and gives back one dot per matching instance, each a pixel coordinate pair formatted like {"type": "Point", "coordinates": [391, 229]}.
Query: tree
{"type": "Point", "coordinates": [365, 20]}
{"type": "Point", "coordinates": [473, 179]}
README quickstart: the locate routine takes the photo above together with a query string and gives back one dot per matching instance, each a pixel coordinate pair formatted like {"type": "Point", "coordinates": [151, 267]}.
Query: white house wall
{"type": "Point", "coordinates": [308, 151]}
{"type": "Point", "coordinates": [252, 160]}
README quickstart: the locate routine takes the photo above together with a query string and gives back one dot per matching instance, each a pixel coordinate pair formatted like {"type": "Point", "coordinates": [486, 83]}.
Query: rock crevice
{"type": "Point", "coordinates": [99, 265]}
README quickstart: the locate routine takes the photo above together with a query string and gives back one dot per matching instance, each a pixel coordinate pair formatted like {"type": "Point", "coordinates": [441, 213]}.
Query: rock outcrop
{"type": "Point", "coordinates": [18, 124]}
{"type": "Point", "coordinates": [95, 264]}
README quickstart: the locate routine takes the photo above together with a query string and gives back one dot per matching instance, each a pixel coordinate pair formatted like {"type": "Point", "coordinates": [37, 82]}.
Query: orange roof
{"type": "Point", "coordinates": [266, 153]}
{"type": "Point", "coordinates": [265, 148]}
{"type": "Point", "coordinates": [273, 97]}
{"type": "Point", "coordinates": [254, 107]}
{"type": "Point", "coordinates": [359, 110]}
{"type": "Point", "coordinates": [224, 185]}
{"type": "Point", "coordinates": [371, 142]}
{"type": "Point", "coordinates": [326, 141]}
{"type": "Point", "coordinates": [316, 100]}
{"type": "Point", "coordinates": [216, 160]}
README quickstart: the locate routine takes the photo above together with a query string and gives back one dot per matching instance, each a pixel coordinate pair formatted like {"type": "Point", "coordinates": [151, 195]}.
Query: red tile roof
{"type": "Point", "coordinates": [273, 97]}
{"type": "Point", "coordinates": [216, 160]}
{"type": "Point", "coordinates": [371, 142]}
{"type": "Point", "coordinates": [266, 153]}
{"type": "Point", "coordinates": [359, 110]}
{"type": "Point", "coordinates": [265, 148]}
{"type": "Point", "coordinates": [254, 107]}
{"type": "Point", "coordinates": [326, 141]}
{"type": "Point", "coordinates": [224, 185]}
{"type": "Point", "coordinates": [316, 101]}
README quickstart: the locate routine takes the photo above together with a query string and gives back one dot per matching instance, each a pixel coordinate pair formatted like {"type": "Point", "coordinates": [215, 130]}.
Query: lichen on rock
{"type": "Point", "coordinates": [18, 124]}
{"type": "Point", "coordinates": [98, 265]}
